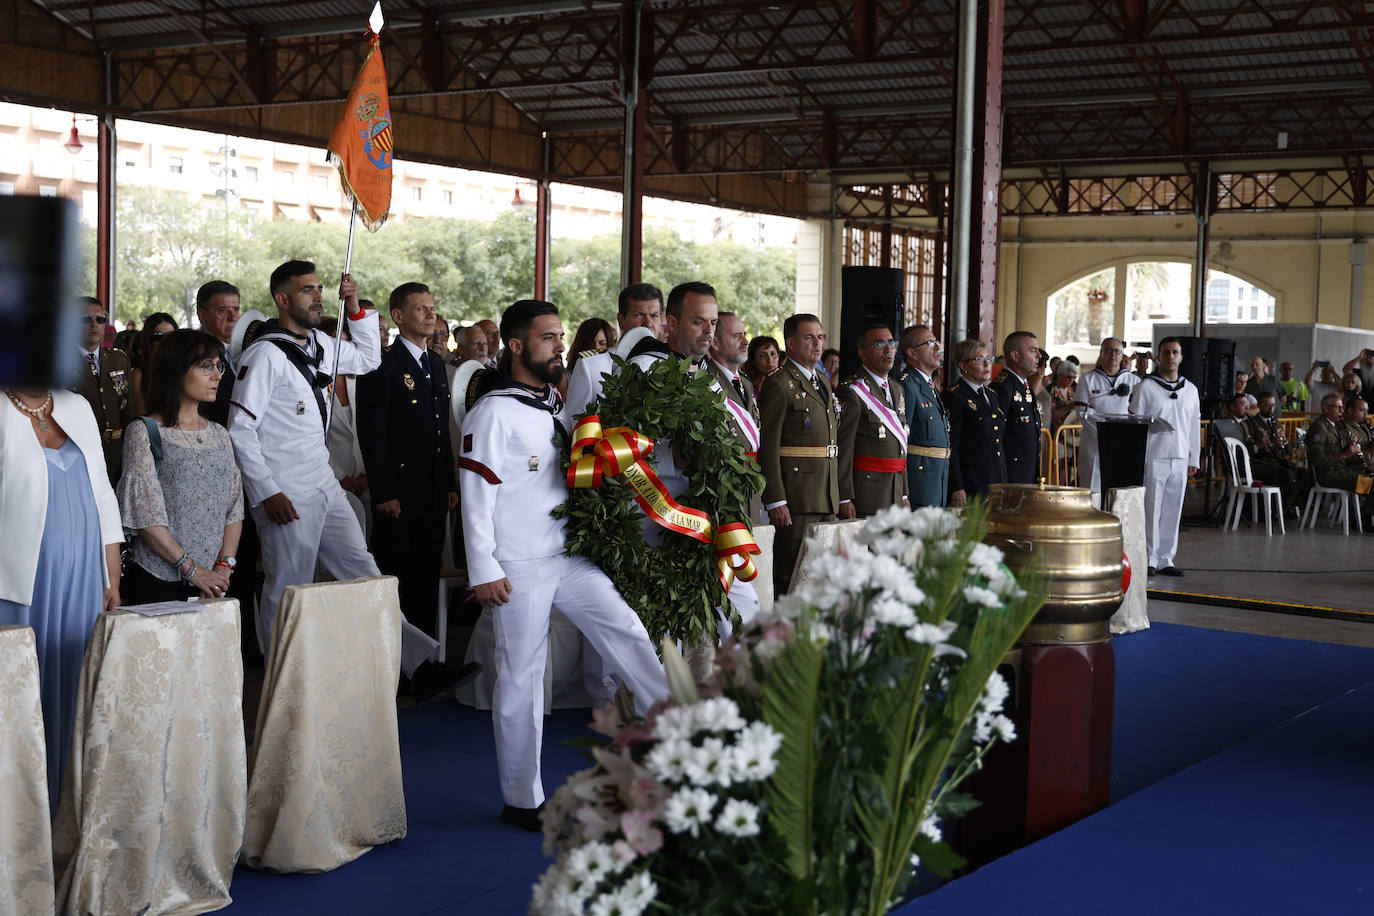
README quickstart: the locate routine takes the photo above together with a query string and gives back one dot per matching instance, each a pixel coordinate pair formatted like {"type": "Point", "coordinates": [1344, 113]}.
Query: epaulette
{"type": "Point", "coordinates": [951, 388]}
{"type": "Point", "coordinates": [1002, 377]}
{"type": "Point", "coordinates": [585, 353]}
{"type": "Point", "coordinates": [853, 377]}
{"type": "Point", "coordinates": [117, 350]}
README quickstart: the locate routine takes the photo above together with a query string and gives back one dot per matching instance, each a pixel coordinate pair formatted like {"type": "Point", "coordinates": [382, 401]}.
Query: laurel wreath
{"type": "Point", "coordinates": [674, 588]}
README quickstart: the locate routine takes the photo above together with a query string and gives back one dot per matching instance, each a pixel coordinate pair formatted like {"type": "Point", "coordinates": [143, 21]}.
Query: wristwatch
{"type": "Point", "coordinates": [230, 562]}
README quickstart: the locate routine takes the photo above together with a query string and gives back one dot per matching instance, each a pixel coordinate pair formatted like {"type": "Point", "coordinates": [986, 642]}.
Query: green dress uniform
{"type": "Point", "coordinates": [927, 452]}
{"type": "Point", "coordinates": [1325, 442]}
{"type": "Point", "coordinates": [1267, 462]}
{"type": "Point", "coordinates": [105, 386]}
{"type": "Point", "coordinates": [1362, 433]}
{"type": "Point", "coordinates": [872, 460]}
{"type": "Point", "coordinates": [799, 458]}
{"type": "Point", "coordinates": [1021, 438]}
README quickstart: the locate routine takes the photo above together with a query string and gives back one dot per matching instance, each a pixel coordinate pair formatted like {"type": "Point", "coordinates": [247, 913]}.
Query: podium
{"type": "Point", "coordinates": [1121, 452]}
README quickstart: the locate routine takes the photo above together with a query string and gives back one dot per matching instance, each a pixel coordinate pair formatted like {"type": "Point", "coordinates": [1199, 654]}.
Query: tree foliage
{"type": "Point", "coordinates": [167, 245]}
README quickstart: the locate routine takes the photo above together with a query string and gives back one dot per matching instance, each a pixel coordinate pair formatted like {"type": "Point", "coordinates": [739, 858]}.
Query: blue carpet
{"type": "Point", "coordinates": [1280, 824]}
{"type": "Point", "coordinates": [1183, 695]}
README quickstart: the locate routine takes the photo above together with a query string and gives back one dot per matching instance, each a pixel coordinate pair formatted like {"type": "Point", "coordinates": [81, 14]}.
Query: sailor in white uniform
{"type": "Point", "coordinates": [640, 306]}
{"type": "Point", "coordinates": [1172, 451]}
{"type": "Point", "coordinates": [277, 422]}
{"type": "Point", "coordinates": [511, 482]}
{"type": "Point", "coordinates": [1103, 392]}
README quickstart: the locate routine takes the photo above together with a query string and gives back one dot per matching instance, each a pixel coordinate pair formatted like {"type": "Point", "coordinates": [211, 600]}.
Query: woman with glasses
{"type": "Point", "coordinates": [181, 490]}
{"type": "Point", "coordinates": [976, 425]}
{"type": "Point", "coordinates": [156, 327]}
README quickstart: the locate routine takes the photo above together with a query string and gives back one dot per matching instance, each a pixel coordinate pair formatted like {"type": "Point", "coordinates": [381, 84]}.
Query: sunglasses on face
{"type": "Point", "coordinates": [98, 319]}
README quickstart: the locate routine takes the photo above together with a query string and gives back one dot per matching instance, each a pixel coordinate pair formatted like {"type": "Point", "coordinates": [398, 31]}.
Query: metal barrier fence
{"type": "Point", "coordinates": [1059, 450]}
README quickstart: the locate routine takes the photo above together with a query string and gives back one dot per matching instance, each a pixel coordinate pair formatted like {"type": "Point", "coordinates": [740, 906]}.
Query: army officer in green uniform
{"type": "Point", "coordinates": [872, 436]}
{"type": "Point", "coordinates": [104, 383]}
{"type": "Point", "coordinates": [1336, 458]}
{"type": "Point", "coordinates": [797, 453]}
{"type": "Point", "coordinates": [927, 451]}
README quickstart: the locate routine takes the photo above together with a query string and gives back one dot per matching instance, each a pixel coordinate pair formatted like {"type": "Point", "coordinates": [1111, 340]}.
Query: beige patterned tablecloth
{"type": "Point", "coordinates": [152, 806]}
{"type": "Point", "coordinates": [325, 779]}
{"type": "Point", "coordinates": [26, 884]}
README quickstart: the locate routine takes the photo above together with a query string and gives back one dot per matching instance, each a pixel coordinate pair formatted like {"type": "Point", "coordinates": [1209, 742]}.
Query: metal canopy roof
{"type": "Point", "coordinates": [778, 89]}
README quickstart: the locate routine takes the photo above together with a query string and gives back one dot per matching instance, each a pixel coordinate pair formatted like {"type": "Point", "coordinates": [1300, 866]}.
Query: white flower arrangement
{"type": "Point", "coordinates": [750, 795]}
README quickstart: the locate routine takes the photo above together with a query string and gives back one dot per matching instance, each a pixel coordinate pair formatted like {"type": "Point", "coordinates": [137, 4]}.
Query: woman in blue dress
{"type": "Point", "coordinates": [60, 565]}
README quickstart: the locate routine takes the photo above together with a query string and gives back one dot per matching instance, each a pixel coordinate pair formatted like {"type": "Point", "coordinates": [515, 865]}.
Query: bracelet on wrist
{"type": "Point", "coordinates": [189, 573]}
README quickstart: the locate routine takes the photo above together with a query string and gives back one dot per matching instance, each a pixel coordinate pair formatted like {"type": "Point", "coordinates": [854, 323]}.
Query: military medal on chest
{"type": "Point", "coordinates": [534, 462]}
{"type": "Point", "coordinates": [409, 382]}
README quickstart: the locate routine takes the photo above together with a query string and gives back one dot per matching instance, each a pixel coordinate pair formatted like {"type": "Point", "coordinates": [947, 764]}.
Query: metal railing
{"type": "Point", "coordinates": [1059, 450]}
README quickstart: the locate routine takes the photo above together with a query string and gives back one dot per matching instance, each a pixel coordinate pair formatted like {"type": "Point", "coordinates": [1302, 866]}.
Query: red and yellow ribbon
{"type": "Point", "coordinates": [621, 452]}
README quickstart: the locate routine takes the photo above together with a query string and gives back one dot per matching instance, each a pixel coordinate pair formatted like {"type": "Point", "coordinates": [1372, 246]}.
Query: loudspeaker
{"type": "Point", "coordinates": [39, 315]}
{"type": "Point", "coordinates": [1210, 364]}
{"type": "Point", "coordinates": [868, 295]}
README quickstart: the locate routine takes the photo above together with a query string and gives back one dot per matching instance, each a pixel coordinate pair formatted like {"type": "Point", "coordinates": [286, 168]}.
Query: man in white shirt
{"type": "Point", "coordinates": [278, 421]}
{"type": "Point", "coordinates": [511, 482]}
{"type": "Point", "coordinates": [1103, 392]}
{"type": "Point", "coordinates": [640, 306]}
{"type": "Point", "coordinates": [1172, 451]}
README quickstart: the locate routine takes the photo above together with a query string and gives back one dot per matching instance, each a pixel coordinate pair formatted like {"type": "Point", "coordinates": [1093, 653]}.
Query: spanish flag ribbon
{"type": "Point", "coordinates": [735, 548]}
{"type": "Point", "coordinates": [621, 452]}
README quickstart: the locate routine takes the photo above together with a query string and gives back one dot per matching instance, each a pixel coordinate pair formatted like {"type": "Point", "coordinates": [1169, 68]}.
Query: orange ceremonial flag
{"type": "Point", "coordinates": [361, 143]}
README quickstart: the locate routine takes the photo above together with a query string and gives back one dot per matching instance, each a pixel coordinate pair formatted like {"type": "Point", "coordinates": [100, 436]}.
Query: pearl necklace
{"type": "Point", "coordinates": [39, 413]}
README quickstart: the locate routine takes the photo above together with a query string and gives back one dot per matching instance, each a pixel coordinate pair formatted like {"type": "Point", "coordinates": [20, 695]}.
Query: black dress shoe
{"type": "Point", "coordinates": [524, 818]}
{"type": "Point", "coordinates": [433, 679]}
{"type": "Point", "coordinates": [1171, 571]}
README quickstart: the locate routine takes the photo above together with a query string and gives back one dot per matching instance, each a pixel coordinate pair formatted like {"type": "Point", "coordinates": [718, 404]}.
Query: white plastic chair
{"type": "Point", "coordinates": [1243, 484]}
{"type": "Point", "coordinates": [1346, 505]}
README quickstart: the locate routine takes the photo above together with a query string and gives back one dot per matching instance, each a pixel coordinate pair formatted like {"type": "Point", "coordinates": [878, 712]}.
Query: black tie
{"type": "Point", "coordinates": [739, 389]}
{"type": "Point", "coordinates": [424, 365]}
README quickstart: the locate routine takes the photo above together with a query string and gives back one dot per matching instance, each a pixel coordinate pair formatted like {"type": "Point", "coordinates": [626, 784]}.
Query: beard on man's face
{"type": "Point", "coordinates": [550, 371]}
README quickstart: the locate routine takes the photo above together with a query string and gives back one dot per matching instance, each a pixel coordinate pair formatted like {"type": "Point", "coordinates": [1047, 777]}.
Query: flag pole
{"type": "Point", "coordinates": [343, 306]}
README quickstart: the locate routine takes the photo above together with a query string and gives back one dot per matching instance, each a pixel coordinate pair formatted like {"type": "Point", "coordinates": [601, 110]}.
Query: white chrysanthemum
{"type": "Point", "coordinates": [626, 900]}
{"type": "Point", "coordinates": [931, 828]}
{"type": "Point", "coordinates": [891, 612]}
{"type": "Point", "coordinates": [675, 722]}
{"type": "Point", "coordinates": [995, 693]}
{"type": "Point", "coordinates": [717, 714]}
{"type": "Point", "coordinates": [590, 863]}
{"type": "Point", "coordinates": [761, 735]}
{"type": "Point", "coordinates": [688, 809]}
{"type": "Point", "coordinates": [549, 887]}
{"type": "Point", "coordinates": [976, 594]}
{"type": "Point", "coordinates": [927, 634]}
{"type": "Point", "coordinates": [637, 893]}
{"type": "Point", "coordinates": [752, 762]}
{"type": "Point", "coordinates": [769, 648]}
{"type": "Point", "coordinates": [668, 760]}
{"type": "Point", "coordinates": [930, 523]}
{"type": "Point", "coordinates": [895, 579]}
{"type": "Point", "coordinates": [982, 728]}
{"type": "Point", "coordinates": [1003, 728]}
{"type": "Point", "coordinates": [915, 861]}
{"type": "Point", "coordinates": [985, 559]}
{"type": "Point", "coordinates": [709, 764]}
{"type": "Point", "coordinates": [738, 818]}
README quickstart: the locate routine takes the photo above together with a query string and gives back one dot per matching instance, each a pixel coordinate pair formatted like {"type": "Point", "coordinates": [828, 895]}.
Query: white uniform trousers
{"type": "Point", "coordinates": [1089, 468]}
{"type": "Point", "coordinates": [601, 683]}
{"type": "Point", "coordinates": [584, 594]}
{"type": "Point", "coordinates": [327, 532]}
{"type": "Point", "coordinates": [1165, 481]}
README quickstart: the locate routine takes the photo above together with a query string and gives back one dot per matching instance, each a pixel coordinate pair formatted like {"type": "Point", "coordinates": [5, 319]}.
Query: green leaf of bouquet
{"type": "Point", "coordinates": [790, 701]}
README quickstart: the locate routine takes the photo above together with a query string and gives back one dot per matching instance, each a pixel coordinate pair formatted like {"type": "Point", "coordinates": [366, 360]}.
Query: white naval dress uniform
{"type": "Point", "coordinates": [511, 483]}
{"type": "Point", "coordinates": [1168, 455]}
{"type": "Point", "coordinates": [1097, 389]}
{"type": "Point", "coordinates": [279, 440]}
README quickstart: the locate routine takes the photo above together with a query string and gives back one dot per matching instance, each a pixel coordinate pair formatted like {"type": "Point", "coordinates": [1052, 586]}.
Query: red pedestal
{"type": "Point", "coordinates": [1065, 719]}
{"type": "Point", "coordinates": [1059, 768]}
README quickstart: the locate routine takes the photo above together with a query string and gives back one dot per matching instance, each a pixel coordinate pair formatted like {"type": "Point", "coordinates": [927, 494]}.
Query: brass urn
{"type": "Point", "coordinates": [1056, 532]}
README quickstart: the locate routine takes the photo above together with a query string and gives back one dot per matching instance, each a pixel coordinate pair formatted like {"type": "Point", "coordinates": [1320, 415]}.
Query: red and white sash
{"type": "Point", "coordinates": [885, 414]}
